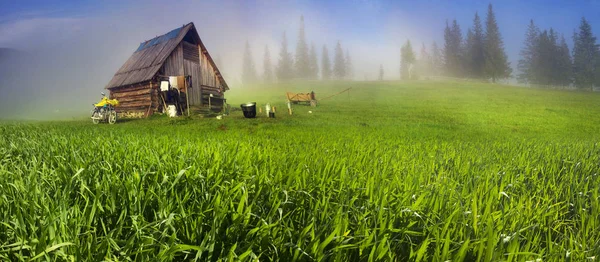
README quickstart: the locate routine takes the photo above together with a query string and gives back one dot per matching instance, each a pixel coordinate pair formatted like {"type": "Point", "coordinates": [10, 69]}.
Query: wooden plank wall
{"type": "Point", "coordinates": [193, 69]}
{"type": "Point", "coordinates": [209, 77]}
{"type": "Point", "coordinates": [190, 51]}
{"type": "Point", "coordinates": [195, 96]}
{"type": "Point", "coordinates": [173, 66]}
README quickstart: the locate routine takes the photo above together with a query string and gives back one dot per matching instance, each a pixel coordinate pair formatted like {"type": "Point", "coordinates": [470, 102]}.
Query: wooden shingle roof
{"type": "Point", "coordinates": [150, 56]}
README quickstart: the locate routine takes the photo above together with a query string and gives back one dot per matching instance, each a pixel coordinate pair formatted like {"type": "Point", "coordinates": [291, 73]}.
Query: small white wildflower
{"type": "Point", "coordinates": [568, 253]}
{"type": "Point", "coordinates": [506, 239]}
{"type": "Point", "coordinates": [509, 185]}
{"type": "Point", "coordinates": [536, 260]}
{"type": "Point", "coordinates": [414, 197]}
{"type": "Point", "coordinates": [417, 215]}
{"type": "Point", "coordinates": [504, 194]}
{"type": "Point", "coordinates": [467, 212]}
{"type": "Point", "coordinates": [591, 258]}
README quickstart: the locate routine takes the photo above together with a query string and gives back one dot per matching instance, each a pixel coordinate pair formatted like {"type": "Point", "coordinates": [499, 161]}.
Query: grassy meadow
{"type": "Point", "coordinates": [390, 171]}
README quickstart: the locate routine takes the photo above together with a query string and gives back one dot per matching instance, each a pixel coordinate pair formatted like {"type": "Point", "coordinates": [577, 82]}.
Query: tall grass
{"type": "Point", "coordinates": [399, 181]}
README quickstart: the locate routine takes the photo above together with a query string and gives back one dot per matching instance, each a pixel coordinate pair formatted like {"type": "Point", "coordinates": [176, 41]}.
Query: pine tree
{"type": "Point", "coordinates": [424, 62]}
{"type": "Point", "coordinates": [564, 66]}
{"type": "Point", "coordinates": [585, 57]}
{"type": "Point", "coordinates": [436, 60]}
{"type": "Point", "coordinates": [496, 61]}
{"type": "Point", "coordinates": [448, 51]}
{"type": "Point", "coordinates": [348, 66]}
{"type": "Point", "coordinates": [526, 63]}
{"type": "Point", "coordinates": [325, 64]}
{"type": "Point", "coordinates": [248, 70]}
{"type": "Point", "coordinates": [453, 50]}
{"type": "Point", "coordinates": [339, 65]}
{"type": "Point", "coordinates": [543, 60]}
{"type": "Point", "coordinates": [468, 59]}
{"type": "Point", "coordinates": [475, 59]}
{"type": "Point", "coordinates": [268, 67]}
{"type": "Point", "coordinates": [459, 49]}
{"type": "Point", "coordinates": [314, 65]}
{"type": "Point", "coordinates": [302, 59]}
{"type": "Point", "coordinates": [554, 50]}
{"type": "Point", "coordinates": [380, 72]}
{"type": "Point", "coordinates": [407, 61]}
{"type": "Point", "coordinates": [285, 67]}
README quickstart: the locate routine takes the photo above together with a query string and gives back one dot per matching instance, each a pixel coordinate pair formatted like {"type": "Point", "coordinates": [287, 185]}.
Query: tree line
{"type": "Point", "coordinates": [479, 55]}
{"type": "Point", "coordinates": [546, 60]}
{"type": "Point", "coordinates": [303, 64]}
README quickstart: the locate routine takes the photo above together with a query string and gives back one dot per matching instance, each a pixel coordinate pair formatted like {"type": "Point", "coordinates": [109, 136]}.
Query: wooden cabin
{"type": "Point", "coordinates": [179, 52]}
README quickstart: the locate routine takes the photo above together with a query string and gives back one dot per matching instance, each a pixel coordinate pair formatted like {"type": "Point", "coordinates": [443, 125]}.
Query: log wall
{"type": "Point", "coordinates": [139, 100]}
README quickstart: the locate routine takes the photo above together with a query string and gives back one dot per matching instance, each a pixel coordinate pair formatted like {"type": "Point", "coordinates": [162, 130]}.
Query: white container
{"type": "Point", "coordinates": [268, 109]}
{"type": "Point", "coordinates": [172, 110]}
{"type": "Point", "coordinates": [164, 86]}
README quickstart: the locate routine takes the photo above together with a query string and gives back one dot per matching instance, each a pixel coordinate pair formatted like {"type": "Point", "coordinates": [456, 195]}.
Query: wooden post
{"type": "Point", "coordinates": [187, 94]}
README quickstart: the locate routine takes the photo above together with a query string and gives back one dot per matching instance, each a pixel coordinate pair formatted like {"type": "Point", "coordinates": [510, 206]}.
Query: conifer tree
{"type": "Point", "coordinates": [424, 63]}
{"type": "Point", "coordinates": [564, 66]}
{"type": "Point", "coordinates": [526, 62]}
{"type": "Point", "coordinates": [339, 63]}
{"type": "Point", "coordinates": [267, 66]}
{"type": "Point", "coordinates": [468, 59]}
{"type": "Point", "coordinates": [325, 64]}
{"type": "Point", "coordinates": [285, 67]}
{"type": "Point", "coordinates": [313, 64]}
{"type": "Point", "coordinates": [475, 59]}
{"type": "Point", "coordinates": [453, 50]}
{"type": "Point", "coordinates": [248, 70]}
{"type": "Point", "coordinates": [496, 61]}
{"type": "Point", "coordinates": [543, 60]}
{"type": "Point", "coordinates": [302, 59]}
{"type": "Point", "coordinates": [585, 57]}
{"type": "Point", "coordinates": [553, 49]}
{"type": "Point", "coordinates": [436, 60]}
{"type": "Point", "coordinates": [348, 66]}
{"type": "Point", "coordinates": [407, 57]}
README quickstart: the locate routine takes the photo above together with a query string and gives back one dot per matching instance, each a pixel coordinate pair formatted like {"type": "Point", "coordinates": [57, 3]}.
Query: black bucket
{"type": "Point", "coordinates": [249, 109]}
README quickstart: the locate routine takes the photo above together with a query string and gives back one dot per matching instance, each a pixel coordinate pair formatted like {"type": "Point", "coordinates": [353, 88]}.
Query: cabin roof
{"type": "Point", "coordinates": [150, 56]}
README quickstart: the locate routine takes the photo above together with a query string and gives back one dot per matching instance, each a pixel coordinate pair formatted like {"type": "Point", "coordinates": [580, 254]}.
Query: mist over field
{"type": "Point", "coordinates": [67, 54]}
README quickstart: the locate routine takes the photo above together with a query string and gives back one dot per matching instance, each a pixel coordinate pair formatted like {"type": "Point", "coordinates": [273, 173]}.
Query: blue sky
{"type": "Point", "coordinates": [372, 30]}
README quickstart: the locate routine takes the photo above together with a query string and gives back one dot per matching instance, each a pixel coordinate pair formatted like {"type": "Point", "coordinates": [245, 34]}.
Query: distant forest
{"type": "Point", "coordinates": [304, 65]}
{"type": "Point", "coordinates": [545, 59]}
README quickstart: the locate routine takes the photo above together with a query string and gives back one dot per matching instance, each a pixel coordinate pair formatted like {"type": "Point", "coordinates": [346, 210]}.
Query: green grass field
{"type": "Point", "coordinates": [392, 171]}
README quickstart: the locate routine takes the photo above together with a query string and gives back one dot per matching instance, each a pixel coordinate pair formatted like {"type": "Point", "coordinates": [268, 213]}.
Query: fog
{"type": "Point", "coordinates": [65, 60]}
